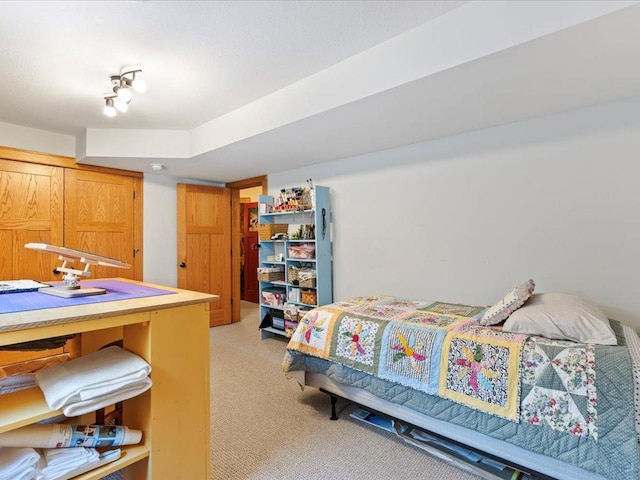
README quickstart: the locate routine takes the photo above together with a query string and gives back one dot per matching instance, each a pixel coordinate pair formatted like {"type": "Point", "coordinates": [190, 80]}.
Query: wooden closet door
{"type": "Point", "coordinates": [31, 203]}
{"type": "Point", "coordinates": [204, 246]}
{"type": "Point", "coordinates": [99, 218]}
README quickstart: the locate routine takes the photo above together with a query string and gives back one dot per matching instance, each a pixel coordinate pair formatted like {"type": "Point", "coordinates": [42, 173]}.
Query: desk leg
{"type": "Point", "coordinates": [175, 413]}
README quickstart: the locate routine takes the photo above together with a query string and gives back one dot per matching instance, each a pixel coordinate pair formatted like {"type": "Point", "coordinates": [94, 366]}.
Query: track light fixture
{"type": "Point", "coordinates": [122, 85]}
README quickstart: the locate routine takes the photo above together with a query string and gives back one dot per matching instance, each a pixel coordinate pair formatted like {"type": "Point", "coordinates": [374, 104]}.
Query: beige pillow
{"type": "Point", "coordinates": [562, 316]}
{"type": "Point", "coordinates": [509, 304]}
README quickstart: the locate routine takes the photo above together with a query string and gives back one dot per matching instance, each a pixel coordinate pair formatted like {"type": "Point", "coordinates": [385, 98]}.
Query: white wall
{"type": "Point", "coordinates": [467, 218]}
{"type": "Point", "coordinates": [160, 241]}
{"type": "Point", "coordinates": [464, 218]}
{"type": "Point", "coordinates": [160, 230]}
{"type": "Point", "coordinates": [37, 140]}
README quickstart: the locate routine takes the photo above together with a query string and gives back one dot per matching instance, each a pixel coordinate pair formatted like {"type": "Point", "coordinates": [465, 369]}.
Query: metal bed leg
{"type": "Point", "coordinates": [334, 400]}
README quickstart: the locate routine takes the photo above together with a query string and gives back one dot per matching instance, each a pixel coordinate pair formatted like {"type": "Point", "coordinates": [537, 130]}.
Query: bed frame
{"type": "Point", "coordinates": [525, 460]}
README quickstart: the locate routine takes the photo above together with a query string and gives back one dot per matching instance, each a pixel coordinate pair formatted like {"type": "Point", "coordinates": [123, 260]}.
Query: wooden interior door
{"type": "Point", "coordinates": [204, 246]}
{"type": "Point", "coordinates": [250, 291]}
{"type": "Point", "coordinates": [99, 218]}
{"type": "Point", "coordinates": [31, 206]}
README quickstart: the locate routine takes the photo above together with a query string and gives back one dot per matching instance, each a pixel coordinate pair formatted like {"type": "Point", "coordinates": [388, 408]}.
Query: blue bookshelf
{"type": "Point", "coordinates": [283, 252]}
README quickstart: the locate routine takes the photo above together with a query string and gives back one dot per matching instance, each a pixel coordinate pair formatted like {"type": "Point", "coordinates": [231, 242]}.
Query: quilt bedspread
{"type": "Point", "coordinates": [434, 347]}
{"type": "Point", "coordinates": [571, 401]}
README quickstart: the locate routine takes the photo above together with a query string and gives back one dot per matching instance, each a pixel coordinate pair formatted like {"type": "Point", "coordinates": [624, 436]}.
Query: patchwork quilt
{"type": "Point", "coordinates": [434, 347]}
{"type": "Point", "coordinates": [563, 399]}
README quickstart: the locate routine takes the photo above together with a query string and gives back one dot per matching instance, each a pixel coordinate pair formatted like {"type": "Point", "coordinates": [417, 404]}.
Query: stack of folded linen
{"type": "Point", "coordinates": [66, 463]}
{"type": "Point", "coordinates": [17, 382]}
{"type": "Point", "coordinates": [55, 463]}
{"type": "Point", "coordinates": [18, 463]}
{"type": "Point", "coordinates": [94, 381]}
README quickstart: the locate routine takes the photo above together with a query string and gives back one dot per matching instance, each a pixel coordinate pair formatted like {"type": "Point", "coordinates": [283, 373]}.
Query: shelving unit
{"type": "Point", "coordinates": [276, 253]}
{"type": "Point", "coordinates": [171, 333]}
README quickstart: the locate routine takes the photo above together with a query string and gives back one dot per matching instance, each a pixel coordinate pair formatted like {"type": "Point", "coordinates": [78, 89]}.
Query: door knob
{"type": "Point", "coordinates": [182, 264]}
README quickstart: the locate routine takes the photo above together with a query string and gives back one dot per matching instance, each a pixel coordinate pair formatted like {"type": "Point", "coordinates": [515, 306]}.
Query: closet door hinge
{"type": "Point", "coordinates": [134, 194]}
{"type": "Point", "coordinates": [135, 252]}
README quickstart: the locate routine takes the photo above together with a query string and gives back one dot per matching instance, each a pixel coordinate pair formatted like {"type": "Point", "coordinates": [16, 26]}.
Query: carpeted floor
{"type": "Point", "coordinates": [263, 427]}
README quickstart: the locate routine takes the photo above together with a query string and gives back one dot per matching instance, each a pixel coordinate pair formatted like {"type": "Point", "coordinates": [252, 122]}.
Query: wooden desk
{"type": "Point", "coordinates": [171, 332]}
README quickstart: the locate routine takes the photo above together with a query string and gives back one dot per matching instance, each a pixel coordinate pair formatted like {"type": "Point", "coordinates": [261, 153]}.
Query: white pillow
{"type": "Point", "coordinates": [508, 304]}
{"type": "Point", "coordinates": [564, 317]}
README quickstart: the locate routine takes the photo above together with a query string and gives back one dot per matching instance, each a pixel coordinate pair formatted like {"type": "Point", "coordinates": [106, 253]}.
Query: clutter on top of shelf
{"type": "Point", "coordinates": [292, 199]}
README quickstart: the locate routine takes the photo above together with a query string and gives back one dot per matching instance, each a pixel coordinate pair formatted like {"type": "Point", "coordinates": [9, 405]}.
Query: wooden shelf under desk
{"type": "Point", "coordinates": [130, 455]}
{"type": "Point", "coordinates": [171, 332]}
{"type": "Point", "coordinates": [24, 408]}
{"type": "Point", "coordinates": [28, 406]}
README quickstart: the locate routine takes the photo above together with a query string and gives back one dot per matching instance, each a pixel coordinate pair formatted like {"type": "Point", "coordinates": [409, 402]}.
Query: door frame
{"type": "Point", "coordinates": [236, 235]}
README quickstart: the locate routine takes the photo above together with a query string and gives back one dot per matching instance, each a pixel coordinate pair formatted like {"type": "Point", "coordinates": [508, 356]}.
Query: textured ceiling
{"type": "Point", "coordinates": [239, 89]}
{"type": "Point", "coordinates": [200, 59]}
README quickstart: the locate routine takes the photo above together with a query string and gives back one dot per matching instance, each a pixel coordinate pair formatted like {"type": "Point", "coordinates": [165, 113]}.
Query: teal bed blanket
{"type": "Point", "coordinates": [575, 402]}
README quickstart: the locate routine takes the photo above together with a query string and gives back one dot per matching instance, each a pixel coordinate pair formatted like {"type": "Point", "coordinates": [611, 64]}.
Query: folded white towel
{"type": "Point", "coordinates": [16, 463]}
{"type": "Point", "coordinates": [93, 404]}
{"type": "Point", "coordinates": [57, 462]}
{"type": "Point", "coordinates": [105, 457]}
{"type": "Point", "coordinates": [26, 474]}
{"type": "Point", "coordinates": [102, 376]}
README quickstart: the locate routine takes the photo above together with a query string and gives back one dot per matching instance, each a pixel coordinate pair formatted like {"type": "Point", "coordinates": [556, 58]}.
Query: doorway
{"type": "Point", "coordinates": [248, 192]}
{"type": "Point", "coordinates": [249, 252]}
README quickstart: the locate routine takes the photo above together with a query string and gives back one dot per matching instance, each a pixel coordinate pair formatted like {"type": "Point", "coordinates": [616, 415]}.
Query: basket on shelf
{"type": "Point", "coordinates": [302, 276]}
{"type": "Point", "coordinates": [290, 312]}
{"type": "Point", "coordinates": [268, 230]}
{"type": "Point", "coordinates": [309, 297]}
{"type": "Point", "coordinates": [292, 274]}
{"type": "Point", "coordinates": [308, 282]}
{"type": "Point", "coordinates": [270, 274]}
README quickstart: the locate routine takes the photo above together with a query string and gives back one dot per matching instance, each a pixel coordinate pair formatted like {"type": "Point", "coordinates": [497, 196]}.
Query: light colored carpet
{"type": "Point", "coordinates": [263, 427]}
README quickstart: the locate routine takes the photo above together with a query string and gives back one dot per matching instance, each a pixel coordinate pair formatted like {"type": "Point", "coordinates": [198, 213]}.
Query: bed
{"type": "Point", "coordinates": [555, 406]}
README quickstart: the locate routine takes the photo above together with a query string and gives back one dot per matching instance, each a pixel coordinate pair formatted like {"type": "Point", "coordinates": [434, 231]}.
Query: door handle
{"type": "Point", "coordinates": [182, 265]}
{"type": "Point", "coordinates": [255, 246]}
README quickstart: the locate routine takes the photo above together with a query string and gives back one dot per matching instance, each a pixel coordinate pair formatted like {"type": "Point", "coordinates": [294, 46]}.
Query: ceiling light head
{"type": "Point", "coordinates": [120, 104]}
{"type": "Point", "coordinates": [139, 85]}
{"type": "Point", "coordinates": [123, 93]}
{"type": "Point", "coordinates": [109, 109]}
{"type": "Point", "coordinates": [130, 79]}
{"type": "Point", "coordinates": [157, 166]}
{"type": "Point", "coordinates": [120, 88]}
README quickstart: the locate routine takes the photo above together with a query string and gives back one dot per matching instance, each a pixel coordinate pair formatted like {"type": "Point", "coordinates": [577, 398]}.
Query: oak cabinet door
{"type": "Point", "coordinates": [31, 210]}
{"type": "Point", "coordinates": [99, 218]}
